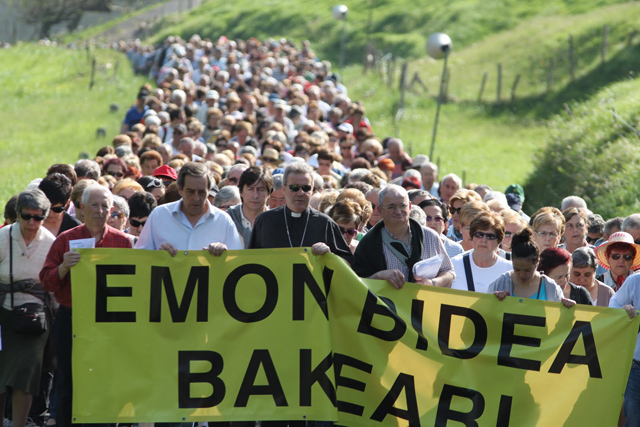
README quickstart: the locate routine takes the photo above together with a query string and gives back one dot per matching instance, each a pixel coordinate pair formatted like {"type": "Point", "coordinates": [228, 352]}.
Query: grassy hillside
{"type": "Point", "coordinates": [49, 114]}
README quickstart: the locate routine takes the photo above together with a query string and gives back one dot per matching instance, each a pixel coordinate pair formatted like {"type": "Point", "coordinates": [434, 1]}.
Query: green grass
{"type": "Point", "coordinates": [50, 115]}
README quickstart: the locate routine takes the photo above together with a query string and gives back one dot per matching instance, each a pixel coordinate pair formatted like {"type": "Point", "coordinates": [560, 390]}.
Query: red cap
{"type": "Point", "coordinates": [166, 172]}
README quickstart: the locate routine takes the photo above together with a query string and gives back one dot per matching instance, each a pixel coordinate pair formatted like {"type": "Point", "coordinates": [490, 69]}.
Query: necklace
{"type": "Point", "coordinates": [304, 233]}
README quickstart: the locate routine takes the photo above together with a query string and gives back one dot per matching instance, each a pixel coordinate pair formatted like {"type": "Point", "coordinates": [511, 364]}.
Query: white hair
{"type": "Point", "coordinates": [95, 188]}
{"type": "Point", "coordinates": [455, 179]}
{"type": "Point", "coordinates": [179, 93]}
{"type": "Point", "coordinates": [573, 202]}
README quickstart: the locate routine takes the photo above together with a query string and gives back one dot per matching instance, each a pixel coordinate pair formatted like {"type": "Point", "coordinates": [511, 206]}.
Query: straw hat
{"type": "Point", "coordinates": [618, 237]}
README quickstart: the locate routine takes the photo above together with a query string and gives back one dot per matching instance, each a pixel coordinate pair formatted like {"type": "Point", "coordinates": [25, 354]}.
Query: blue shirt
{"type": "Point", "coordinates": [629, 293]}
{"type": "Point", "coordinates": [134, 116]}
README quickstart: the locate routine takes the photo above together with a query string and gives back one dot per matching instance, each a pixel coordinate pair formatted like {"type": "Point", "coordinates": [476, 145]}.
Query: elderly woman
{"type": "Point", "coordinates": [23, 249]}
{"type": "Point", "coordinates": [620, 256]}
{"type": "Point", "coordinates": [583, 273]}
{"type": "Point", "coordinates": [348, 215]}
{"type": "Point", "coordinates": [119, 216]}
{"type": "Point", "coordinates": [476, 269]}
{"type": "Point", "coordinates": [556, 264]}
{"type": "Point", "coordinates": [115, 167]}
{"type": "Point", "coordinates": [468, 212]}
{"type": "Point", "coordinates": [576, 226]}
{"type": "Point", "coordinates": [227, 196]}
{"type": "Point", "coordinates": [457, 201]}
{"type": "Point", "coordinates": [548, 226]}
{"type": "Point", "coordinates": [525, 281]}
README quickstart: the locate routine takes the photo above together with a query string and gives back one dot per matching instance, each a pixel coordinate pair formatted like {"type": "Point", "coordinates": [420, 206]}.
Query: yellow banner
{"type": "Point", "coordinates": [285, 335]}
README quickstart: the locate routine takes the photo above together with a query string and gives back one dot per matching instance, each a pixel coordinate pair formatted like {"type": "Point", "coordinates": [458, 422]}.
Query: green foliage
{"type": "Point", "coordinates": [49, 115]}
{"type": "Point", "coordinates": [593, 154]}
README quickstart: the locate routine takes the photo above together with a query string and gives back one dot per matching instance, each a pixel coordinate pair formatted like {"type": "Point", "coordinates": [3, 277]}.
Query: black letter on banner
{"type": "Point", "coordinates": [445, 413]}
{"type": "Point", "coordinates": [198, 275]}
{"type": "Point", "coordinates": [371, 308]}
{"type": "Point", "coordinates": [417, 312]}
{"type": "Point", "coordinates": [509, 338]}
{"type": "Point", "coordinates": [309, 376]}
{"type": "Point", "coordinates": [229, 293]}
{"type": "Point", "coordinates": [504, 411]}
{"type": "Point", "coordinates": [301, 277]}
{"type": "Point", "coordinates": [444, 330]}
{"type": "Point", "coordinates": [411, 414]}
{"type": "Point", "coordinates": [591, 354]}
{"type": "Point", "coordinates": [186, 378]}
{"type": "Point", "coordinates": [273, 387]}
{"type": "Point", "coordinates": [341, 360]}
{"type": "Point", "coordinates": [103, 292]}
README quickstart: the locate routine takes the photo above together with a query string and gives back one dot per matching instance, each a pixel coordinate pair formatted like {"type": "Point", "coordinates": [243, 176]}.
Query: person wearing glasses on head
{"type": "Point", "coordinates": [296, 224]}
{"type": "Point", "coordinates": [524, 280]}
{"type": "Point", "coordinates": [396, 243]}
{"type": "Point", "coordinates": [437, 220]}
{"type": "Point", "coordinates": [117, 168]}
{"type": "Point", "coordinates": [141, 204]}
{"type": "Point", "coordinates": [477, 268]}
{"type": "Point", "coordinates": [620, 255]}
{"type": "Point", "coordinates": [22, 356]}
{"type": "Point", "coordinates": [57, 188]}
{"type": "Point", "coordinates": [548, 226]}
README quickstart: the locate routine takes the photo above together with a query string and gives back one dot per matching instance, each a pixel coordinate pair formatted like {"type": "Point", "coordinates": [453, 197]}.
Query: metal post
{"type": "Point", "coordinates": [342, 41]}
{"type": "Point", "coordinates": [435, 123]}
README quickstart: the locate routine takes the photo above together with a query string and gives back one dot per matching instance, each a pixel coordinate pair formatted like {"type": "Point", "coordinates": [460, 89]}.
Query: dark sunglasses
{"type": "Point", "coordinates": [295, 187]}
{"type": "Point", "coordinates": [116, 174]}
{"type": "Point", "coordinates": [591, 240]}
{"type": "Point", "coordinates": [434, 218]}
{"type": "Point", "coordinates": [136, 224]}
{"type": "Point", "coordinates": [481, 235]}
{"type": "Point", "coordinates": [626, 257]}
{"type": "Point", "coordinates": [57, 209]}
{"type": "Point", "coordinates": [349, 231]}
{"type": "Point", "coordinates": [27, 217]}
{"type": "Point", "coordinates": [454, 210]}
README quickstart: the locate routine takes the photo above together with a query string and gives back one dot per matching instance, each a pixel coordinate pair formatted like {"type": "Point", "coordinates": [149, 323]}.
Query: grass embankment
{"type": "Point", "coordinates": [50, 115]}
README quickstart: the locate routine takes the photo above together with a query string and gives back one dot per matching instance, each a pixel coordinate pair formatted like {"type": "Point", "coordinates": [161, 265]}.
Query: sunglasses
{"type": "Point", "coordinates": [454, 210]}
{"type": "Point", "coordinates": [136, 223]}
{"type": "Point", "coordinates": [57, 209]}
{"type": "Point", "coordinates": [434, 218]}
{"type": "Point", "coordinates": [349, 231]}
{"type": "Point", "coordinates": [118, 215]}
{"type": "Point", "coordinates": [295, 187]}
{"type": "Point", "coordinates": [27, 217]}
{"type": "Point", "coordinates": [116, 174]}
{"type": "Point", "coordinates": [481, 235]}
{"type": "Point", "coordinates": [626, 257]}
{"type": "Point", "coordinates": [155, 183]}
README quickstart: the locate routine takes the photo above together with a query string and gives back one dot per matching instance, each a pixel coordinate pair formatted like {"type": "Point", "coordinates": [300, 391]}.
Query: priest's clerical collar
{"type": "Point", "coordinates": [296, 214]}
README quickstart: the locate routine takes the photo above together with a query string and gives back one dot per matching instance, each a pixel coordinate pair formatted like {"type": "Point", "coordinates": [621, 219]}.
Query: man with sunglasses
{"type": "Point", "coordinates": [55, 277]}
{"type": "Point", "coordinates": [295, 224]}
{"type": "Point", "coordinates": [395, 244]}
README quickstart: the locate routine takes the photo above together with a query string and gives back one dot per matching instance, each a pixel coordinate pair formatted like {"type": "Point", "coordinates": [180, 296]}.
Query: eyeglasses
{"type": "Point", "coordinates": [626, 257]}
{"type": "Point", "coordinates": [591, 240]}
{"type": "Point", "coordinates": [508, 234]}
{"type": "Point", "coordinates": [454, 210]}
{"type": "Point", "coordinates": [294, 188]}
{"type": "Point", "coordinates": [349, 231]}
{"type": "Point", "coordinates": [481, 235]}
{"type": "Point", "coordinates": [57, 209]}
{"type": "Point", "coordinates": [345, 148]}
{"type": "Point", "coordinates": [36, 218]}
{"type": "Point", "coordinates": [116, 174]}
{"type": "Point", "coordinates": [136, 224]}
{"type": "Point", "coordinates": [233, 180]}
{"type": "Point", "coordinates": [392, 208]}
{"type": "Point", "coordinates": [275, 199]}
{"type": "Point", "coordinates": [545, 234]}
{"type": "Point", "coordinates": [117, 215]}
{"type": "Point", "coordinates": [225, 207]}
{"type": "Point", "coordinates": [434, 218]}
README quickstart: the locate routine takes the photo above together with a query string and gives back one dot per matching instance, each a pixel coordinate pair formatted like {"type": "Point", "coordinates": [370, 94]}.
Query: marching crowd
{"type": "Point", "coordinates": [256, 144]}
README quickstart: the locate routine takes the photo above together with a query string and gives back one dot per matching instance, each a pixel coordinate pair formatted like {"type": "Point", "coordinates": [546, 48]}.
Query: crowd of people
{"type": "Point", "coordinates": [256, 144]}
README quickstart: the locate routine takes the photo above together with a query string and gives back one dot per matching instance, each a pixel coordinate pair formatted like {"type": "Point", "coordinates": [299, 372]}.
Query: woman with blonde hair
{"type": "Point", "coordinates": [126, 187]}
{"type": "Point", "coordinates": [468, 212]}
{"type": "Point", "coordinates": [456, 202]}
{"type": "Point", "coordinates": [548, 226]}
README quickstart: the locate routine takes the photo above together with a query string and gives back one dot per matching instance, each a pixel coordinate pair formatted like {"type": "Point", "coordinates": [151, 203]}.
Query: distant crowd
{"type": "Point", "coordinates": [256, 144]}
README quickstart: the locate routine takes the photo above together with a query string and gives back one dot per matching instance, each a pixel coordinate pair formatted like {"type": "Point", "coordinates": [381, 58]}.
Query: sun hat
{"type": "Point", "coordinates": [618, 237]}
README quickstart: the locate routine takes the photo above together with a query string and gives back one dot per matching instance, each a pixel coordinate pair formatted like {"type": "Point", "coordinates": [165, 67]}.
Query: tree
{"type": "Point", "coordinates": [47, 13]}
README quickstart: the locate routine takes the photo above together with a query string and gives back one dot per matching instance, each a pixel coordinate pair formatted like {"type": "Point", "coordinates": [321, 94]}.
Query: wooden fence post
{"type": "Point", "coordinates": [403, 83]}
{"type": "Point", "coordinates": [93, 73]}
{"type": "Point", "coordinates": [484, 81]}
{"type": "Point", "coordinates": [513, 88]}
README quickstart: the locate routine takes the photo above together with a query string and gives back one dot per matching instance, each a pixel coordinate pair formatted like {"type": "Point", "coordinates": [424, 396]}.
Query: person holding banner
{"type": "Point", "coordinates": [255, 186]}
{"type": "Point", "coordinates": [191, 223]}
{"type": "Point", "coordinates": [393, 246]}
{"type": "Point", "coordinates": [556, 263]}
{"type": "Point", "coordinates": [55, 277]}
{"type": "Point", "coordinates": [525, 281]}
{"type": "Point", "coordinates": [628, 298]}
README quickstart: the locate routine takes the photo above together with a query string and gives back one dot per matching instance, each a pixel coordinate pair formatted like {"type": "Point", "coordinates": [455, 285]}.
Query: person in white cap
{"type": "Point", "coordinates": [210, 101]}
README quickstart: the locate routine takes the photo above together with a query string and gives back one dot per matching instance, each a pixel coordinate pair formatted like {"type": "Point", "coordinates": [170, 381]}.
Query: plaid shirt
{"type": "Point", "coordinates": [61, 288]}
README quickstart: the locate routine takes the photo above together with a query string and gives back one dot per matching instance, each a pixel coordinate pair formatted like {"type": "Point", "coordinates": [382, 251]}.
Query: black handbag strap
{"type": "Point", "coordinates": [11, 264]}
{"type": "Point", "coordinates": [467, 272]}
